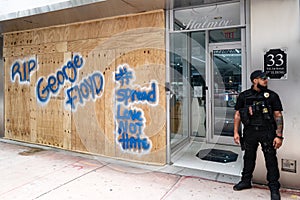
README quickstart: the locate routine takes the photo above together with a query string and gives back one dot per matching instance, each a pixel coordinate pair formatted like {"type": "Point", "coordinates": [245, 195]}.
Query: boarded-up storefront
{"type": "Point", "coordinates": [95, 87]}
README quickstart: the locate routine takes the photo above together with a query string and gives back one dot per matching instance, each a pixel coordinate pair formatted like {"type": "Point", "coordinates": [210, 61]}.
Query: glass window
{"type": "Point", "coordinates": [227, 74]}
{"type": "Point", "coordinates": [187, 3]}
{"type": "Point", "coordinates": [215, 16]}
{"type": "Point", "coordinates": [198, 85]}
{"type": "Point", "coordinates": [178, 83]}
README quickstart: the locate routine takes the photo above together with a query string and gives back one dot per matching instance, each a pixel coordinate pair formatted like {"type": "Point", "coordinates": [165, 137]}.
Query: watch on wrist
{"type": "Point", "coordinates": [280, 137]}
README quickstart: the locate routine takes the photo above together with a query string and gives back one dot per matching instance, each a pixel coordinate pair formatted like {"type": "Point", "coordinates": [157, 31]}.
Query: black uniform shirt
{"type": "Point", "coordinates": [270, 96]}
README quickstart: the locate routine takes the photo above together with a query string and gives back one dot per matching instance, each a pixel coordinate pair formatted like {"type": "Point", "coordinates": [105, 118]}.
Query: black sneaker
{"type": "Point", "coordinates": [242, 185]}
{"type": "Point", "coordinates": [275, 195]}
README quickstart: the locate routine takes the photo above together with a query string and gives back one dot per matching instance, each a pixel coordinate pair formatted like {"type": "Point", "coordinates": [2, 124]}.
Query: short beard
{"type": "Point", "coordinates": [262, 87]}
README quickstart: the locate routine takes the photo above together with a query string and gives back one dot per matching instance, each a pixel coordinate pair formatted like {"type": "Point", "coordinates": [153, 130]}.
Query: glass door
{"type": "Point", "coordinates": [179, 89]}
{"type": "Point", "coordinates": [187, 87]}
{"type": "Point", "coordinates": [198, 85]}
{"type": "Point", "coordinates": [226, 74]}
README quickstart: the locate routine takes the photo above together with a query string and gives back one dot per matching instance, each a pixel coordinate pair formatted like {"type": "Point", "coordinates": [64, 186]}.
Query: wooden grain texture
{"type": "Point", "coordinates": [23, 38]}
{"type": "Point", "coordinates": [19, 51]}
{"type": "Point", "coordinates": [86, 45]}
{"type": "Point", "coordinates": [91, 129]}
{"type": "Point", "coordinates": [50, 35]}
{"type": "Point", "coordinates": [17, 102]}
{"type": "Point", "coordinates": [53, 123]}
{"type": "Point", "coordinates": [106, 28]}
{"type": "Point", "coordinates": [105, 61]}
{"type": "Point", "coordinates": [48, 65]}
{"type": "Point", "coordinates": [148, 65]}
{"type": "Point", "coordinates": [138, 40]}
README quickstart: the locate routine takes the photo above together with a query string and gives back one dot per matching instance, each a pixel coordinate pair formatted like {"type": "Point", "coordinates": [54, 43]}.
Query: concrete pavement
{"type": "Point", "coordinates": [35, 172]}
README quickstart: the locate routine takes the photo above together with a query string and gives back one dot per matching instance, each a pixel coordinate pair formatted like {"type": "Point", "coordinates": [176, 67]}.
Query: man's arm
{"type": "Point", "coordinates": [237, 123]}
{"type": "Point", "coordinates": [279, 122]}
{"type": "Point", "coordinates": [279, 131]}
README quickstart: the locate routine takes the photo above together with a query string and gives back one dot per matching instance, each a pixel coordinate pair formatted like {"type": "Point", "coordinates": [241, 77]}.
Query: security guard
{"type": "Point", "coordinates": [259, 109]}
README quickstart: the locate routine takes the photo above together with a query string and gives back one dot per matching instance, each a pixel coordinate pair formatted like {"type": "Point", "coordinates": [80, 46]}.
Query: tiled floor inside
{"type": "Point", "coordinates": [186, 157]}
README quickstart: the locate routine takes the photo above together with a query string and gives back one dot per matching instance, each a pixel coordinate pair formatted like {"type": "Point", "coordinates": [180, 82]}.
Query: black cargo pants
{"type": "Point", "coordinates": [252, 137]}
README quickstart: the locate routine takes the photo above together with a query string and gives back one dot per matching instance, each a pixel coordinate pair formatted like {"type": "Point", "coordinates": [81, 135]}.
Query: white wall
{"type": "Point", "coordinates": [16, 8]}
{"type": "Point", "coordinates": [275, 24]}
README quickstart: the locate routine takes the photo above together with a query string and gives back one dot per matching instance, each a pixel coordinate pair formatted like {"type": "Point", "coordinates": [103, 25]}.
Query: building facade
{"type": "Point", "coordinates": [154, 83]}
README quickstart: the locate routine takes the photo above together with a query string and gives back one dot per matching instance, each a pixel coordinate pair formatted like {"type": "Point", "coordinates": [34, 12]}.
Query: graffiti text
{"type": "Point", "coordinates": [23, 69]}
{"type": "Point", "coordinates": [46, 87]}
{"type": "Point", "coordinates": [130, 120]}
{"type": "Point", "coordinates": [91, 86]}
{"type": "Point", "coordinates": [130, 96]}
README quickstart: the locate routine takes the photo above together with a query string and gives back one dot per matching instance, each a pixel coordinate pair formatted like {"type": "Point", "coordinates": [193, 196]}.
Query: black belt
{"type": "Point", "coordinates": [260, 128]}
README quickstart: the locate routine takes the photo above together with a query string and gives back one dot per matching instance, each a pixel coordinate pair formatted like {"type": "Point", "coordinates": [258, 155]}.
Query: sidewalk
{"type": "Point", "coordinates": [28, 172]}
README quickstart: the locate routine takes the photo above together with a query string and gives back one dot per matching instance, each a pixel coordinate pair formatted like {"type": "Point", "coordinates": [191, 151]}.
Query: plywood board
{"type": "Point", "coordinates": [18, 97]}
{"type": "Point", "coordinates": [107, 60]}
{"type": "Point", "coordinates": [148, 65]}
{"type": "Point", "coordinates": [105, 28]}
{"type": "Point", "coordinates": [84, 45]}
{"type": "Point", "coordinates": [17, 112]}
{"type": "Point", "coordinates": [137, 40]}
{"type": "Point", "coordinates": [53, 125]}
{"type": "Point", "coordinates": [57, 47]}
{"type": "Point", "coordinates": [49, 64]}
{"type": "Point", "coordinates": [20, 51]}
{"type": "Point", "coordinates": [90, 131]}
{"type": "Point", "coordinates": [50, 35]}
{"type": "Point", "coordinates": [24, 38]}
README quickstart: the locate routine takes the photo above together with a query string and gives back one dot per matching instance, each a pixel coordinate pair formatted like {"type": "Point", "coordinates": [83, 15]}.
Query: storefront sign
{"type": "Point", "coordinates": [275, 63]}
{"type": "Point", "coordinates": [205, 22]}
{"type": "Point", "coordinates": [208, 17]}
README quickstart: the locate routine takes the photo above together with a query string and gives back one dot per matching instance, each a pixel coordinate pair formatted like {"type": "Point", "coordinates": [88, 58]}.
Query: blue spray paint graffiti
{"type": "Point", "coordinates": [45, 88]}
{"type": "Point", "coordinates": [130, 120]}
{"type": "Point", "coordinates": [23, 69]}
{"type": "Point", "coordinates": [128, 96]}
{"type": "Point", "coordinates": [91, 86]}
{"type": "Point", "coordinates": [124, 76]}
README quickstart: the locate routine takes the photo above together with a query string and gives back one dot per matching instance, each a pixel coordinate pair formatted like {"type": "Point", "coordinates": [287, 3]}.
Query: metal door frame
{"type": "Point", "coordinates": [2, 82]}
{"type": "Point", "coordinates": [211, 138]}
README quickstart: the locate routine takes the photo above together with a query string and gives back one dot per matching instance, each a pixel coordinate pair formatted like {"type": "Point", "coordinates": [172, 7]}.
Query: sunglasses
{"type": "Point", "coordinates": [264, 78]}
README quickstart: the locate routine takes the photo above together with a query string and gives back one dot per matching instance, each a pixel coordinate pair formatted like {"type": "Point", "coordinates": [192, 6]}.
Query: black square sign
{"type": "Point", "coordinates": [275, 63]}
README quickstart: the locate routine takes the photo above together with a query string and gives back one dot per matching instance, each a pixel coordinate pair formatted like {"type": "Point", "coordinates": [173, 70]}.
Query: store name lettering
{"type": "Point", "coordinates": [204, 22]}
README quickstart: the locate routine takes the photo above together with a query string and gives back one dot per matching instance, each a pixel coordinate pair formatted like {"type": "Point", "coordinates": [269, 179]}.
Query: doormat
{"type": "Point", "coordinates": [217, 155]}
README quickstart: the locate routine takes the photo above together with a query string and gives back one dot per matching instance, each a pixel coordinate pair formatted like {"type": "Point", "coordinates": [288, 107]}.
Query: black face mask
{"type": "Point", "coordinates": [262, 87]}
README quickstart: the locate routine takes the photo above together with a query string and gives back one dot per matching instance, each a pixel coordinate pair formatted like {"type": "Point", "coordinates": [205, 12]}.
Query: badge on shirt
{"type": "Point", "coordinates": [266, 94]}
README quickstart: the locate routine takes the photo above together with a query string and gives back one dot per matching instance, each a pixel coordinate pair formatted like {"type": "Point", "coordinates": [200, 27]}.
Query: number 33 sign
{"type": "Point", "coordinates": [275, 63]}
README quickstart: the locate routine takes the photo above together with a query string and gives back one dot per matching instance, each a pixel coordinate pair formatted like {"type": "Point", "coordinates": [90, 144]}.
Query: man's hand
{"type": "Point", "coordinates": [237, 122]}
{"type": "Point", "coordinates": [277, 142]}
{"type": "Point", "coordinates": [236, 138]}
{"type": "Point", "coordinates": [250, 110]}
